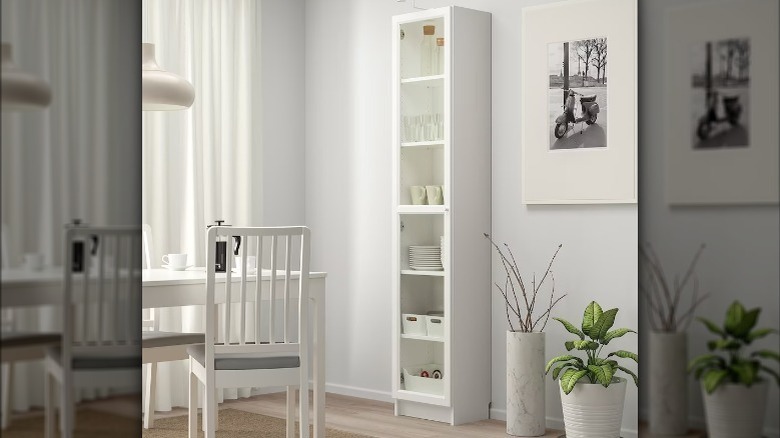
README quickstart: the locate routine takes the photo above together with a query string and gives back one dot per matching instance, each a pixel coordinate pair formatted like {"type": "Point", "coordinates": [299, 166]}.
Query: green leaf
{"type": "Point", "coordinates": [631, 373]}
{"type": "Point", "coordinates": [734, 316]}
{"type": "Point", "coordinates": [585, 345]}
{"type": "Point", "coordinates": [748, 321]}
{"type": "Point", "coordinates": [757, 334]}
{"type": "Point", "coordinates": [569, 345]}
{"type": "Point", "coordinates": [771, 372]}
{"type": "Point", "coordinates": [615, 334]}
{"type": "Point", "coordinates": [712, 327]}
{"type": "Point", "coordinates": [746, 371]}
{"type": "Point", "coordinates": [713, 378]}
{"type": "Point", "coordinates": [570, 378]}
{"type": "Point", "coordinates": [592, 314]}
{"type": "Point", "coordinates": [724, 344]}
{"type": "Point", "coordinates": [558, 369]}
{"type": "Point", "coordinates": [767, 354]}
{"type": "Point", "coordinates": [603, 324]}
{"type": "Point", "coordinates": [570, 327]}
{"type": "Point", "coordinates": [603, 373]}
{"type": "Point", "coordinates": [704, 360]}
{"type": "Point", "coordinates": [625, 355]}
{"type": "Point", "coordinates": [562, 358]}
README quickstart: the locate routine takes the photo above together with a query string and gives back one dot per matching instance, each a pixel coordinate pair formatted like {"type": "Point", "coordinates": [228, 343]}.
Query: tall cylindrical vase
{"type": "Point", "coordinates": [668, 383]}
{"type": "Point", "coordinates": [525, 395]}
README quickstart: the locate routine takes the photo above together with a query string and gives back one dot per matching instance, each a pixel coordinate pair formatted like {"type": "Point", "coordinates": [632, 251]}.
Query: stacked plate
{"type": "Point", "coordinates": [425, 258]}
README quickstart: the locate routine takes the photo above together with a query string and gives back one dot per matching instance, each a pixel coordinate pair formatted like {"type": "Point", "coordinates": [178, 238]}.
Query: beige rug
{"type": "Point", "coordinates": [89, 424]}
{"type": "Point", "coordinates": [234, 423]}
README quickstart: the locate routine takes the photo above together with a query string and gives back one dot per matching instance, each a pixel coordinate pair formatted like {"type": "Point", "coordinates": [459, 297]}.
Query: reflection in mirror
{"type": "Point", "coordinates": [70, 179]}
{"type": "Point", "coordinates": [709, 176]}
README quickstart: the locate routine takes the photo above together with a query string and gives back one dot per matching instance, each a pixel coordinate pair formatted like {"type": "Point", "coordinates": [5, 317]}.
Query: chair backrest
{"type": "Point", "coordinates": [273, 248]}
{"type": "Point", "coordinates": [148, 246]}
{"type": "Point", "coordinates": [105, 297]}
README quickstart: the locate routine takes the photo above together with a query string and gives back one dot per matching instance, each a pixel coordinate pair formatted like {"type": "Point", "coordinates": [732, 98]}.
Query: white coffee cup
{"type": "Point", "coordinates": [251, 263]}
{"type": "Point", "coordinates": [175, 261]}
{"type": "Point", "coordinates": [418, 195]}
{"type": "Point", "coordinates": [33, 261]}
{"type": "Point", "coordinates": [435, 195]}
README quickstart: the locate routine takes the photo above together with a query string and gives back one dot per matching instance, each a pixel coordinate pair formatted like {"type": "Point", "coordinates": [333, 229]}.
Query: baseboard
{"type": "Point", "coordinates": [353, 391]}
{"type": "Point", "coordinates": [557, 423]}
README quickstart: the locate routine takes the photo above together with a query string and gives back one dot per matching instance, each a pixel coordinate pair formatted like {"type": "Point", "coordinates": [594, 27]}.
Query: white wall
{"type": "Point", "coordinates": [348, 192]}
{"type": "Point", "coordinates": [743, 246]}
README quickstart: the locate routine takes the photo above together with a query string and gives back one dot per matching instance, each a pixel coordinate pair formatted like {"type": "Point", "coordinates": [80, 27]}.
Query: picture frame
{"type": "Point", "coordinates": [721, 137]}
{"type": "Point", "coordinates": [593, 160]}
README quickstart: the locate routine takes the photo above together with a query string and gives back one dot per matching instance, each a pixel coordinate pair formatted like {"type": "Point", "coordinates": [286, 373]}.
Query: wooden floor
{"type": "Point", "coordinates": [368, 417]}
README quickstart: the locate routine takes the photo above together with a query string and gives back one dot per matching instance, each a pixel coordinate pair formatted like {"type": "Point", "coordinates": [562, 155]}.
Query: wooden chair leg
{"type": "Point", "coordinates": [210, 408]}
{"type": "Point", "coordinates": [304, 402]}
{"type": "Point", "coordinates": [48, 405]}
{"type": "Point", "coordinates": [67, 407]}
{"type": "Point", "coordinates": [151, 392]}
{"type": "Point", "coordinates": [290, 411]}
{"type": "Point", "coordinates": [192, 418]}
{"type": "Point", "coordinates": [6, 401]}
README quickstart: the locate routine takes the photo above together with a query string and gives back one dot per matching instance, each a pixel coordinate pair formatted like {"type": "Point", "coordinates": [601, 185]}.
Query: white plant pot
{"type": "Point", "coordinates": [668, 383]}
{"type": "Point", "coordinates": [525, 395]}
{"type": "Point", "coordinates": [735, 411]}
{"type": "Point", "coordinates": [593, 411]}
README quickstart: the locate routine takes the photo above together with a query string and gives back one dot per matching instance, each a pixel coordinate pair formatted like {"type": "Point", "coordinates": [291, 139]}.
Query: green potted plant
{"type": "Point", "coordinates": [592, 394]}
{"type": "Point", "coordinates": [525, 394]}
{"type": "Point", "coordinates": [669, 314]}
{"type": "Point", "coordinates": [733, 384]}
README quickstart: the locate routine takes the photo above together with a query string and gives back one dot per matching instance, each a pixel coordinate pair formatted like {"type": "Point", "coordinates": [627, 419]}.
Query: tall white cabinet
{"type": "Point", "coordinates": [442, 138]}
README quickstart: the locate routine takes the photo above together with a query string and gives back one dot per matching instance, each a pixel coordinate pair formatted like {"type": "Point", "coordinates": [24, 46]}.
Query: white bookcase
{"type": "Point", "coordinates": [456, 155]}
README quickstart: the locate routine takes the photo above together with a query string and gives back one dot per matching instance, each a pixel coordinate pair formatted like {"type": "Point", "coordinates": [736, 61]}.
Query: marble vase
{"type": "Point", "coordinates": [591, 410]}
{"type": "Point", "coordinates": [525, 395]}
{"type": "Point", "coordinates": [735, 411]}
{"type": "Point", "coordinates": [668, 383]}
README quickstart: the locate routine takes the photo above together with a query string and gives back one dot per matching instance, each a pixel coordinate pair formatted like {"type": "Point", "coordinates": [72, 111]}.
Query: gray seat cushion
{"type": "Point", "coordinates": [244, 361]}
{"type": "Point", "coordinates": [99, 362]}
{"type": "Point", "coordinates": [167, 339]}
{"type": "Point", "coordinates": [29, 339]}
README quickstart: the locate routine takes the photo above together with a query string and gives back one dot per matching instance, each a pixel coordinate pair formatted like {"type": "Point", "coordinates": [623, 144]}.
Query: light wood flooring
{"type": "Point", "coordinates": [368, 417]}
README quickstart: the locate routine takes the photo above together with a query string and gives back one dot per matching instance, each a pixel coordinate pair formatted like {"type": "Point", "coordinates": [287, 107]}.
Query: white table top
{"type": "Point", "coordinates": [167, 277]}
{"type": "Point", "coordinates": [20, 277]}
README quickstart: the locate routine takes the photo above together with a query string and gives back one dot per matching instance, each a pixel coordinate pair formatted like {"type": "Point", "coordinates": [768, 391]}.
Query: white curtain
{"type": "Point", "coordinates": [203, 163]}
{"type": "Point", "coordinates": [78, 158]}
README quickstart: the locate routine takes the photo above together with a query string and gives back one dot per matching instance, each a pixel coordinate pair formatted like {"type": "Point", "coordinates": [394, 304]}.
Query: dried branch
{"type": "Point", "coordinates": [514, 280]}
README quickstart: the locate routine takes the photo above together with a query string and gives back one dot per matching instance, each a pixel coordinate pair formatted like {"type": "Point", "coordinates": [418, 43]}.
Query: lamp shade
{"type": "Point", "coordinates": [21, 90]}
{"type": "Point", "coordinates": [162, 90]}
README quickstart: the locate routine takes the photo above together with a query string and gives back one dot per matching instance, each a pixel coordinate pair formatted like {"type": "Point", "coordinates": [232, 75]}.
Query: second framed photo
{"type": "Point", "coordinates": [579, 88]}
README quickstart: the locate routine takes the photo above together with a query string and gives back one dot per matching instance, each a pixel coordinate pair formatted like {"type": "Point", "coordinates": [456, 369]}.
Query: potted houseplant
{"type": "Point", "coordinates": [525, 393]}
{"type": "Point", "coordinates": [669, 317]}
{"type": "Point", "coordinates": [733, 386]}
{"type": "Point", "coordinates": [592, 394]}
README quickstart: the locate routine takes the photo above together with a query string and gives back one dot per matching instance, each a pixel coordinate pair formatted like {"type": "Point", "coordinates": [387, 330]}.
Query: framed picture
{"type": "Point", "coordinates": [721, 124]}
{"type": "Point", "coordinates": [579, 102]}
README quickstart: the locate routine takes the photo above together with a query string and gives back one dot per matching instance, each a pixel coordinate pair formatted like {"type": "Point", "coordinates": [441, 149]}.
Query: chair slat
{"type": "Point", "coordinates": [99, 292]}
{"type": "Point", "coordinates": [228, 289]}
{"type": "Point", "coordinates": [287, 250]}
{"type": "Point", "coordinates": [258, 288]}
{"type": "Point", "coordinates": [115, 295]}
{"type": "Point", "coordinates": [272, 293]}
{"type": "Point", "coordinates": [242, 292]}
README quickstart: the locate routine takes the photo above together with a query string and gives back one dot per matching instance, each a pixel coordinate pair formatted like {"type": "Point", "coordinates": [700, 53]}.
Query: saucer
{"type": "Point", "coordinates": [171, 268]}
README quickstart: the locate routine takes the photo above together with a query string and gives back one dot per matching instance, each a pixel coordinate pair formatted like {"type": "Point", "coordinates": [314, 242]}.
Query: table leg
{"type": "Point", "coordinates": [319, 364]}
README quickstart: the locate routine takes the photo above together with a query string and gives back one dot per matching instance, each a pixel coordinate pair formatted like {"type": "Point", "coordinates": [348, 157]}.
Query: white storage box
{"type": "Point", "coordinates": [428, 385]}
{"type": "Point", "coordinates": [413, 324]}
{"type": "Point", "coordinates": [435, 326]}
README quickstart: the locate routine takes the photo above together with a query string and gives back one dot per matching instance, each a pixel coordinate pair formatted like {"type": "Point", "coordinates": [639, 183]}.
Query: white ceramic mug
{"type": "Point", "coordinates": [175, 261]}
{"type": "Point", "coordinates": [251, 263]}
{"type": "Point", "coordinates": [435, 195]}
{"type": "Point", "coordinates": [33, 261]}
{"type": "Point", "coordinates": [418, 195]}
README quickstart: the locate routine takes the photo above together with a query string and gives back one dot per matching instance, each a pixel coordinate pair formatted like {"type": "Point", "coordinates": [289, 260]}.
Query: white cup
{"type": "Point", "coordinates": [33, 261]}
{"type": "Point", "coordinates": [435, 195]}
{"type": "Point", "coordinates": [418, 195]}
{"type": "Point", "coordinates": [175, 261]}
{"type": "Point", "coordinates": [251, 263]}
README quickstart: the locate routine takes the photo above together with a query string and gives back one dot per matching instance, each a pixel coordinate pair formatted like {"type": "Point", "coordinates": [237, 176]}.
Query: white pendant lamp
{"type": "Point", "coordinates": [162, 90]}
{"type": "Point", "coordinates": [21, 91]}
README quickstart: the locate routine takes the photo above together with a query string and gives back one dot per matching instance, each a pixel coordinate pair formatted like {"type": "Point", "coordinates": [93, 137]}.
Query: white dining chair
{"type": "Point", "coordinates": [101, 337]}
{"type": "Point", "coordinates": [156, 345]}
{"type": "Point", "coordinates": [16, 345]}
{"type": "Point", "coordinates": [235, 357]}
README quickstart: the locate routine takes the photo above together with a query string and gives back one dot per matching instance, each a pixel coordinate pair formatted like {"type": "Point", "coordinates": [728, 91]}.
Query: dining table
{"type": "Point", "coordinates": [168, 288]}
